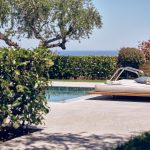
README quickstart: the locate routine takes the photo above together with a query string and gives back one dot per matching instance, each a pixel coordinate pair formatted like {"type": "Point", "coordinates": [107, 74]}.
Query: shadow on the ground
{"type": "Point", "coordinates": [121, 98]}
{"type": "Point", "coordinates": [68, 141]}
{"type": "Point", "coordinates": [10, 133]}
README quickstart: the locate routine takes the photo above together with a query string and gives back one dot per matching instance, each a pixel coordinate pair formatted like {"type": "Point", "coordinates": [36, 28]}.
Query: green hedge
{"type": "Point", "coordinates": [23, 80]}
{"type": "Point", "coordinates": [82, 67]}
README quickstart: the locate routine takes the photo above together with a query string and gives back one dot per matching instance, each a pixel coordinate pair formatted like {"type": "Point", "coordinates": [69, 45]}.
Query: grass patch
{"type": "Point", "coordinates": [68, 80]}
{"type": "Point", "coordinates": [141, 142]}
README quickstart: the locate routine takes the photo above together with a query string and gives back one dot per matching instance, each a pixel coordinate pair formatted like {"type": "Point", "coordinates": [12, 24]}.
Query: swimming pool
{"type": "Point", "coordinates": [58, 94]}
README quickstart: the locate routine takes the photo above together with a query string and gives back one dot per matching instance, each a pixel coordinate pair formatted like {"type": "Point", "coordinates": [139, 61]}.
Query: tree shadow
{"type": "Point", "coordinates": [122, 98]}
{"type": "Point", "coordinates": [10, 133]}
{"type": "Point", "coordinates": [68, 141]}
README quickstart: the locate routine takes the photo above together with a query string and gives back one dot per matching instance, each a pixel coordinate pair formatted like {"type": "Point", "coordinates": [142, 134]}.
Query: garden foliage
{"type": "Point", "coordinates": [23, 79]}
{"type": "Point", "coordinates": [130, 57]}
{"type": "Point", "coordinates": [51, 22]}
{"type": "Point", "coordinates": [145, 47]}
{"type": "Point", "coordinates": [82, 67]}
{"type": "Point", "coordinates": [141, 142]}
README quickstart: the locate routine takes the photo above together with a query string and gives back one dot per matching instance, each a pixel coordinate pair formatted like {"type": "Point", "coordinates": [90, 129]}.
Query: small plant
{"type": "Point", "coordinates": [145, 47]}
{"type": "Point", "coordinates": [130, 57]}
{"type": "Point", "coordinates": [141, 142]}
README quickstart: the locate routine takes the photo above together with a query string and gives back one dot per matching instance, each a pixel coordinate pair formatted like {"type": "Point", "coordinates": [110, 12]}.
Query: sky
{"type": "Point", "coordinates": [125, 24]}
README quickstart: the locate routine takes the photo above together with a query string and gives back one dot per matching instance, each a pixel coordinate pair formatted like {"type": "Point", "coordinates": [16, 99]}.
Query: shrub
{"type": "Point", "coordinates": [141, 142]}
{"type": "Point", "coordinates": [130, 57]}
{"type": "Point", "coordinates": [23, 79]}
{"type": "Point", "coordinates": [145, 47]}
{"type": "Point", "coordinates": [82, 67]}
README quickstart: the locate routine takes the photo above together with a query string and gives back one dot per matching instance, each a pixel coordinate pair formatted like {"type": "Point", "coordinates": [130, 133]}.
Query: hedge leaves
{"type": "Point", "coordinates": [23, 80]}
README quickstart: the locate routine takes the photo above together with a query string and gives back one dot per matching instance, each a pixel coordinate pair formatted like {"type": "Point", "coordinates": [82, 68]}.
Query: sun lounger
{"type": "Point", "coordinates": [123, 87]}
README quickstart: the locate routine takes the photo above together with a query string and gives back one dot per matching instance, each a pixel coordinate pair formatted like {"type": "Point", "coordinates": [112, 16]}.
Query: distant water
{"type": "Point", "coordinates": [88, 52]}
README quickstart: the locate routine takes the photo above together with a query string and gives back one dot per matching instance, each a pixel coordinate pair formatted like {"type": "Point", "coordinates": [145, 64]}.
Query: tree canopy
{"type": "Point", "coordinates": [52, 22]}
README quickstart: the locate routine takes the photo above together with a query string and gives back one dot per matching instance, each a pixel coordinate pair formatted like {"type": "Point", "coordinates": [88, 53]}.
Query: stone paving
{"type": "Point", "coordinates": [91, 122]}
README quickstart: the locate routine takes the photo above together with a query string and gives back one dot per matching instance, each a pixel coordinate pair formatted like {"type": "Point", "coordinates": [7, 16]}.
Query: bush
{"type": "Point", "coordinates": [83, 67]}
{"type": "Point", "coordinates": [23, 80]}
{"type": "Point", "coordinates": [141, 142]}
{"type": "Point", "coordinates": [145, 47]}
{"type": "Point", "coordinates": [130, 57]}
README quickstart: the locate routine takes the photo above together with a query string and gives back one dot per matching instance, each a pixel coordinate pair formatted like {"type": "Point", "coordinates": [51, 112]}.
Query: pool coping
{"type": "Point", "coordinates": [73, 84]}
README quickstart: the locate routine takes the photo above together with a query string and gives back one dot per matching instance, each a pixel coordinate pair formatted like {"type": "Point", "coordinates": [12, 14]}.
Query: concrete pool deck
{"type": "Point", "coordinates": [91, 122]}
{"type": "Point", "coordinates": [74, 84]}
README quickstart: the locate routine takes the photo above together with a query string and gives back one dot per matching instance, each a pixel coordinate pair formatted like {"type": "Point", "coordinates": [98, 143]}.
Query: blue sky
{"type": "Point", "coordinates": [125, 23]}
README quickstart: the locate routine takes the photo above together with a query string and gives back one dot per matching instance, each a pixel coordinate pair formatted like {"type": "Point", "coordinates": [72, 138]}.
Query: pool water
{"type": "Point", "coordinates": [58, 94]}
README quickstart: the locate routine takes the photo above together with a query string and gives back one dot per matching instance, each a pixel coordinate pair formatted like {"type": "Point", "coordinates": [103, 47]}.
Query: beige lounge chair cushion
{"type": "Point", "coordinates": [125, 86]}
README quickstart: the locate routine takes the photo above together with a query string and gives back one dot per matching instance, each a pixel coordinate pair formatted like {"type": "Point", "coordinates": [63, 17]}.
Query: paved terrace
{"type": "Point", "coordinates": [87, 123]}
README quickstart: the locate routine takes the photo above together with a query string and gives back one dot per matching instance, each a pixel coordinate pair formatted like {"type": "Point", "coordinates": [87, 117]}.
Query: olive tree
{"type": "Point", "coordinates": [52, 22]}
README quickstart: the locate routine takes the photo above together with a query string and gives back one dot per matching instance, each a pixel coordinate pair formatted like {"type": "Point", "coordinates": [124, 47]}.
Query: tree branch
{"type": "Point", "coordinates": [58, 37]}
{"type": "Point", "coordinates": [46, 43]}
{"type": "Point", "coordinates": [53, 45]}
{"type": "Point", "coordinates": [62, 44]}
{"type": "Point", "coordinates": [8, 41]}
{"type": "Point", "coordinates": [37, 34]}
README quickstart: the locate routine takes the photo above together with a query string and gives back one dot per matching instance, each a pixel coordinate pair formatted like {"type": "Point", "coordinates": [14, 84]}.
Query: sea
{"type": "Point", "coordinates": [87, 52]}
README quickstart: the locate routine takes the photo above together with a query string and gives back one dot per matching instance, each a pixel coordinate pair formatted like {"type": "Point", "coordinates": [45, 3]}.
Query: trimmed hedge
{"type": "Point", "coordinates": [82, 67]}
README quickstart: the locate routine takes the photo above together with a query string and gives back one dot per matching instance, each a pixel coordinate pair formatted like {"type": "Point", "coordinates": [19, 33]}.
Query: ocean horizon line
{"type": "Point", "coordinates": [87, 52]}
